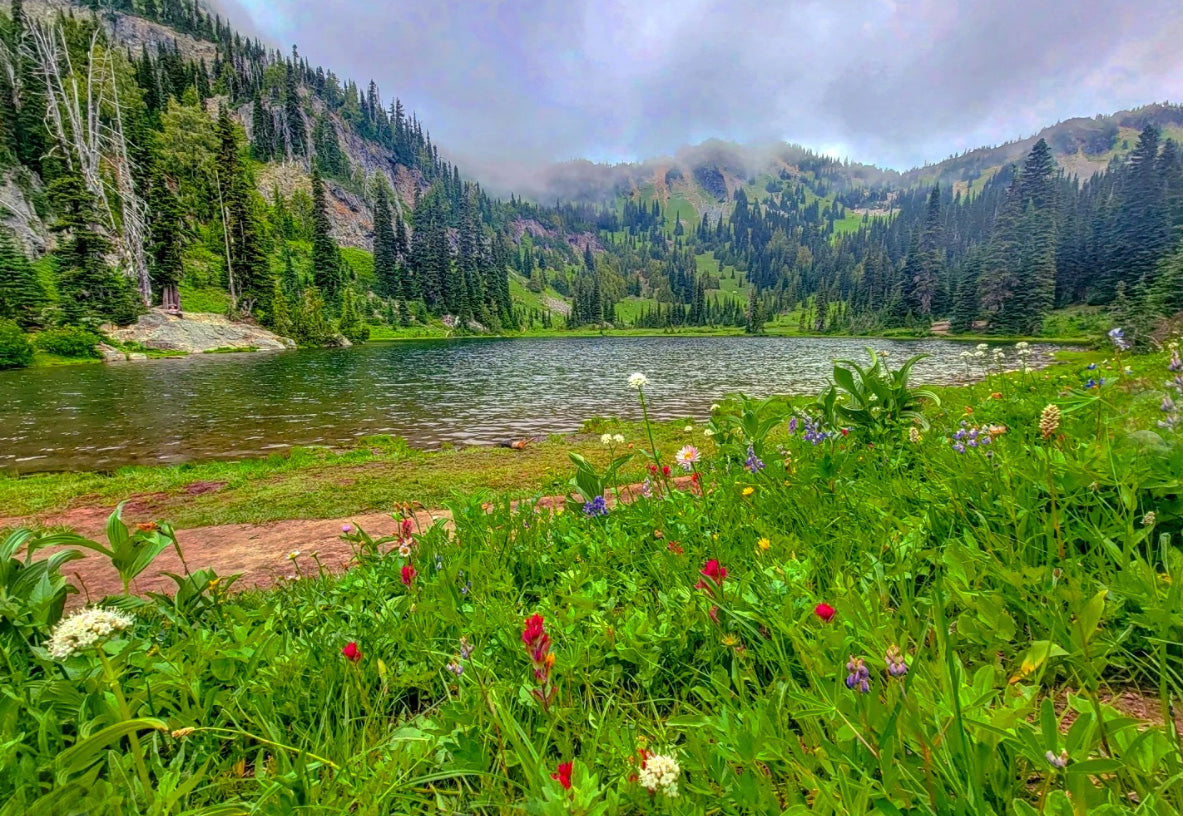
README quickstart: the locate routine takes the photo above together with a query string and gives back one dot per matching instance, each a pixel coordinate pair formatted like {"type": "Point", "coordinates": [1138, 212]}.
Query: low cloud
{"type": "Point", "coordinates": [508, 88]}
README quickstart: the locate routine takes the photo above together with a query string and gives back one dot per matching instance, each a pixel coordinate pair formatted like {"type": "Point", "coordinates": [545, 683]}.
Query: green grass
{"type": "Point", "coordinates": [204, 299]}
{"type": "Point", "coordinates": [43, 359]}
{"type": "Point", "coordinates": [875, 623]}
{"type": "Point", "coordinates": [320, 483]}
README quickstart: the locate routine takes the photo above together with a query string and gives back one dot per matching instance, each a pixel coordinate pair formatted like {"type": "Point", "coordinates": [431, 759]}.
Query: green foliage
{"type": "Point", "coordinates": [309, 325]}
{"type": "Point", "coordinates": [874, 400]}
{"type": "Point", "coordinates": [21, 293]}
{"type": "Point", "coordinates": [15, 349]}
{"type": "Point", "coordinates": [68, 341]}
{"type": "Point", "coordinates": [1013, 616]}
{"type": "Point", "coordinates": [351, 324]}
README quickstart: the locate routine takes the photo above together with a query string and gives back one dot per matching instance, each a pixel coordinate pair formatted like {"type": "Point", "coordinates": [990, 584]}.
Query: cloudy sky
{"type": "Point", "coordinates": [891, 82]}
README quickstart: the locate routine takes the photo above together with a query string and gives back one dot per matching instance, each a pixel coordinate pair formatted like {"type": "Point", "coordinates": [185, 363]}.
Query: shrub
{"type": "Point", "coordinates": [15, 350]}
{"type": "Point", "coordinates": [68, 341]}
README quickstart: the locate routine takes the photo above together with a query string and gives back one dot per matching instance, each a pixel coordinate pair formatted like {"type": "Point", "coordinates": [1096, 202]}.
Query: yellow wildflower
{"type": "Point", "coordinates": [764, 544]}
{"type": "Point", "coordinates": [747, 491]}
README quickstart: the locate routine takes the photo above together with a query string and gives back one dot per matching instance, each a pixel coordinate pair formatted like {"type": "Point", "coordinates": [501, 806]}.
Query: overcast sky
{"type": "Point", "coordinates": [890, 82]}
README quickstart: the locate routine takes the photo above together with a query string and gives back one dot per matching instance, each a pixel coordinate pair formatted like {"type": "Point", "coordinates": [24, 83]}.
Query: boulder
{"type": "Point", "coordinates": [195, 332]}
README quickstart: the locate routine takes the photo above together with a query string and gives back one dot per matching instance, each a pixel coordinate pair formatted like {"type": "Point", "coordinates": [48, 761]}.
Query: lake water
{"type": "Point", "coordinates": [233, 406]}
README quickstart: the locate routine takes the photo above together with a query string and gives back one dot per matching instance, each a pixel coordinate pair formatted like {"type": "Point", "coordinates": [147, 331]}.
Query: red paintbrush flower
{"type": "Point", "coordinates": [563, 775]}
{"type": "Point", "coordinates": [408, 575]}
{"type": "Point", "coordinates": [825, 611]}
{"type": "Point", "coordinates": [713, 572]}
{"type": "Point", "coordinates": [351, 652]}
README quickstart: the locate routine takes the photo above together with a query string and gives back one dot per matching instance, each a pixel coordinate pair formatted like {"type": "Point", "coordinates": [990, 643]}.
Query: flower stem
{"type": "Point", "coordinates": [125, 712]}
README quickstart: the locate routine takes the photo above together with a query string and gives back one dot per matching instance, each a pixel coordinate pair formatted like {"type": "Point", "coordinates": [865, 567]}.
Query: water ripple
{"type": "Point", "coordinates": [432, 392]}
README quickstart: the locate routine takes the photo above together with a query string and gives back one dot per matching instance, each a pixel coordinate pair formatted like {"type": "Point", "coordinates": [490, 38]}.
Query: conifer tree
{"type": "Point", "coordinates": [326, 259]}
{"type": "Point", "coordinates": [21, 293]}
{"type": "Point", "coordinates": [281, 313]}
{"type": "Point", "coordinates": [88, 289]}
{"type": "Point", "coordinates": [263, 146]}
{"type": "Point", "coordinates": [351, 324]}
{"type": "Point", "coordinates": [168, 240]}
{"type": "Point", "coordinates": [387, 271]}
{"type": "Point", "coordinates": [297, 134]}
{"type": "Point", "coordinates": [248, 269]}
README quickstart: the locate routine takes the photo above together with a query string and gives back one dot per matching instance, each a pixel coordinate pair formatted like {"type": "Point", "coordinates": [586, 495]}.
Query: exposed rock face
{"type": "Point", "coordinates": [195, 333]}
{"type": "Point", "coordinates": [17, 215]}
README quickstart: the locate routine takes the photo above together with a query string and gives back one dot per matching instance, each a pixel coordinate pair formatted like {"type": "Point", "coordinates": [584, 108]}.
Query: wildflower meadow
{"type": "Point", "coordinates": [962, 601]}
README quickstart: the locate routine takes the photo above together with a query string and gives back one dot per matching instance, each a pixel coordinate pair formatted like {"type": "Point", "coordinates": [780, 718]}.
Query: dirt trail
{"type": "Point", "coordinates": [259, 552]}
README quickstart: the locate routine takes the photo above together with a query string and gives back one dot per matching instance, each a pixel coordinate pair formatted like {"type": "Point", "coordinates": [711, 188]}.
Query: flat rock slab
{"type": "Point", "coordinates": [197, 332]}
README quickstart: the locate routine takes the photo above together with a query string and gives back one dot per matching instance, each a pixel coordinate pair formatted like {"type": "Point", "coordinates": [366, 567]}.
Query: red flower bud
{"type": "Point", "coordinates": [563, 775]}
{"type": "Point", "coordinates": [825, 611]}
{"type": "Point", "coordinates": [351, 652]}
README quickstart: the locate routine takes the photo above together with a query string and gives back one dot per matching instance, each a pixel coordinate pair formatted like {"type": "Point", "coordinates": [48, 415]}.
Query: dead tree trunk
{"type": "Point", "coordinates": [76, 116]}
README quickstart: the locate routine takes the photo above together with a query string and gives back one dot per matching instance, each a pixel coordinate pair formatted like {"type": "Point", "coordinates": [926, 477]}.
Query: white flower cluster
{"type": "Point", "coordinates": [612, 439]}
{"type": "Point", "coordinates": [84, 630]}
{"type": "Point", "coordinates": [660, 774]}
{"type": "Point", "coordinates": [638, 381]}
{"type": "Point", "coordinates": [1023, 352]}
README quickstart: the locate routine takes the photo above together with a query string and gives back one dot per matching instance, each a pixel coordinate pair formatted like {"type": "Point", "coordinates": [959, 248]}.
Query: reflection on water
{"type": "Point", "coordinates": [464, 392]}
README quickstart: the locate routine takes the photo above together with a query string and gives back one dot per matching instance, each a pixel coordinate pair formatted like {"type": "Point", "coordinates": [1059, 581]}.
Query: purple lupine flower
{"type": "Point", "coordinates": [455, 668]}
{"type": "Point", "coordinates": [957, 446]}
{"type": "Point", "coordinates": [647, 488]}
{"type": "Point", "coordinates": [1092, 366]}
{"type": "Point", "coordinates": [859, 677]}
{"type": "Point", "coordinates": [897, 666]}
{"type": "Point", "coordinates": [439, 562]}
{"type": "Point", "coordinates": [1117, 337]}
{"type": "Point", "coordinates": [754, 465]}
{"type": "Point", "coordinates": [813, 433]}
{"type": "Point", "coordinates": [1168, 405]}
{"type": "Point", "coordinates": [1176, 364]}
{"type": "Point", "coordinates": [466, 648]}
{"type": "Point", "coordinates": [793, 425]}
{"type": "Point", "coordinates": [464, 590]}
{"type": "Point", "coordinates": [595, 507]}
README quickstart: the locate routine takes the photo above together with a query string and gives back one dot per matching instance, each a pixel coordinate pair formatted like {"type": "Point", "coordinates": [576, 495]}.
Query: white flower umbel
{"type": "Point", "coordinates": [85, 630]}
{"type": "Point", "coordinates": [638, 381]}
{"type": "Point", "coordinates": [606, 439]}
{"type": "Point", "coordinates": [660, 774]}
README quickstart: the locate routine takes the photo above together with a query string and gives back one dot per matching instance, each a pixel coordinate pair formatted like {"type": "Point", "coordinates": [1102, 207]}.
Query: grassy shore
{"type": "Point", "coordinates": [320, 483]}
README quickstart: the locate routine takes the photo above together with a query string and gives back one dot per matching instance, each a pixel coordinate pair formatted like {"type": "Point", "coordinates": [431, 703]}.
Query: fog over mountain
{"type": "Point", "coordinates": [512, 87]}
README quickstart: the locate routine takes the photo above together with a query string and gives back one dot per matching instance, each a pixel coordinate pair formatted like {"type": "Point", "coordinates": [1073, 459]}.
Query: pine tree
{"type": "Point", "coordinates": [999, 281]}
{"type": "Point", "coordinates": [263, 142]}
{"type": "Point", "coordinates": [88, 289]}
{"type": "Point", "coordinates": [755, 314]}
{"type": "Point", "coordinates": [965, 300]}
{"type": "Point", "coordinates": [29, 91]}
{"type": "Point", "coordinates": [309, 325]}
{"type": "Point", "coordinates": [387, 270]}
{"type": "Point", "coordinates": [167, 240]}
{"type": "Point", "coordinates": [248, 269]}
{"type": "Point", "coordinates": [351, 324]}
{"type": "Point", "coordinates": [297, 133]}
{"type": "Point", "coordinates": [326, 259]}
{"type": "Point", "coordinates": [21, 293]}
{"type": "Point", "coordinates": [281, 314]}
